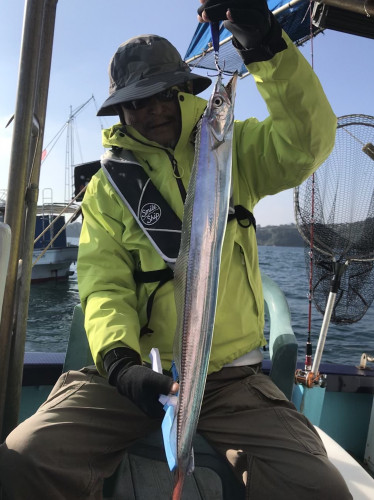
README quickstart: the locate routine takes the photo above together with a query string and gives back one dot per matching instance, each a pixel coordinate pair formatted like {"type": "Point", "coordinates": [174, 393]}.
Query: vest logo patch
{"type": "Point", "coordinates": [150, 213]}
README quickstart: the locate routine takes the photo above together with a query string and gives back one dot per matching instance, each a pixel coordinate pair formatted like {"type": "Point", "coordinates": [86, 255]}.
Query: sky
{"type": "Point", "coordinates": [88, 32]}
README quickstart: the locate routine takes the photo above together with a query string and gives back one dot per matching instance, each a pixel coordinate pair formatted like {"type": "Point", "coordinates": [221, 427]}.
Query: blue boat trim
{"type": "Point", "coordinates": [43, 368]}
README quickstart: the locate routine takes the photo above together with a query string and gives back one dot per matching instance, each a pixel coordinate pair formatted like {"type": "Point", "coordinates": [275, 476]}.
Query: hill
{"type": "Point", "coordinates": [285, 235]}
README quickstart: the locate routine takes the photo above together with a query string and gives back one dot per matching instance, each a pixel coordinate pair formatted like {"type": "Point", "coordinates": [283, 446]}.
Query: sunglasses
{"type": "Point", "coordinates": [167, 95]}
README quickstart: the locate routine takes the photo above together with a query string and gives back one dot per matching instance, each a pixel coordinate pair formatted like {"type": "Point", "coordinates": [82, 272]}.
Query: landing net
{"type": "Point", "coordinates": [334, 212]}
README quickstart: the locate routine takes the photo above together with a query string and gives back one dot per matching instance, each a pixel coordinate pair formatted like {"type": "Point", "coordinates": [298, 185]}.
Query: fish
{"type": "Point", "coordinates": [196, 272]}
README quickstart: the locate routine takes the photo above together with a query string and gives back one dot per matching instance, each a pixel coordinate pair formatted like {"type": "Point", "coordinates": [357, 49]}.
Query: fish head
{"type": "Point", "coordinates": [220, 109]}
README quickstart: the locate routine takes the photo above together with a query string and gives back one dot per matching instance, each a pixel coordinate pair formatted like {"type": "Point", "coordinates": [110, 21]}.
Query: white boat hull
{"type": "Point", "coordinates": [359, 482]}
{"type": "Point", "coordinates": [54, 264]}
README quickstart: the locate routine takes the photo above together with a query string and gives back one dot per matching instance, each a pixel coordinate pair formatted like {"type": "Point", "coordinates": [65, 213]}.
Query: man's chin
{"type": "Point", "coordinates": [164, 140]}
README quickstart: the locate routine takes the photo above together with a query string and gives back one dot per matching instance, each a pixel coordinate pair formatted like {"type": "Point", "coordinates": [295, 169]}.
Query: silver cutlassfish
{"type": "Point", "coordinates": [198, 264]}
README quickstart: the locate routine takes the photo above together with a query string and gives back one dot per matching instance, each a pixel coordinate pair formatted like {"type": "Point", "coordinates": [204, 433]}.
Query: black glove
{"type": "Point", "coordinates": [256, 34]}
{"type": "Point", "coordinates": [139, 383]}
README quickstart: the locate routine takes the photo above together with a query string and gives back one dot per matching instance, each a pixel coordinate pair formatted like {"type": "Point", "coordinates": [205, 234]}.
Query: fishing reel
{"type": "Point", "coordinates": [310, 379]}
{"type": "Point", "coordinates": [307, 377]}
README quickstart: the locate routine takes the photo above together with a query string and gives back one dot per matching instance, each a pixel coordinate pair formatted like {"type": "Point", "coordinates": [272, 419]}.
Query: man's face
{"type": "Point", "coordinates": [157, 118]}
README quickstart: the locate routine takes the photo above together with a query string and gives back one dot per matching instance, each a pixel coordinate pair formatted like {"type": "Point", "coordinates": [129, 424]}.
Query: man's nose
{"type": "Point", "coordinates": [155, 106]}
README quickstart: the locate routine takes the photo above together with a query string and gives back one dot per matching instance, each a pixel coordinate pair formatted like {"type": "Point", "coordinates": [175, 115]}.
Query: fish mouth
{"type": "Point", "coordinates": [231, 86]}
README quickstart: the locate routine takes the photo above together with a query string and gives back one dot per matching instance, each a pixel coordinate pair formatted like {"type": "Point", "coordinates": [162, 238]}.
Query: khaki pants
{"type": "Point", "coordinates": [78, 436]}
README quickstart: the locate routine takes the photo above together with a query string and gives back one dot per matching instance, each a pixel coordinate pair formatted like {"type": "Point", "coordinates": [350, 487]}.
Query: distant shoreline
{"type": "Point", "coordinates": [285, 235]}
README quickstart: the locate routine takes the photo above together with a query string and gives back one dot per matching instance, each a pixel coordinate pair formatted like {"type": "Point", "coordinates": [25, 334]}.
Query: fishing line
{"type": "Point", "coordinates": [214, 28]}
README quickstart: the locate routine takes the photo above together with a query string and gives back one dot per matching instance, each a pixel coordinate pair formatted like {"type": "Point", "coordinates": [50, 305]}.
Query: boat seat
{"type": "Point", "coordinates": [144, 466]}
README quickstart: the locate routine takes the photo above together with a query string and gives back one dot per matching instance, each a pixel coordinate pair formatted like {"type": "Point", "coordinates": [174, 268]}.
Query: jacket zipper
{"type": "Point", "coordinates": [177, 176]}
{"type": "Point", "coordinates": [174, 164]}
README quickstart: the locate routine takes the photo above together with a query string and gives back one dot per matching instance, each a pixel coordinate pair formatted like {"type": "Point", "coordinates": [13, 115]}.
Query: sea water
{"type": "Point", "coordinates": [52, 305]}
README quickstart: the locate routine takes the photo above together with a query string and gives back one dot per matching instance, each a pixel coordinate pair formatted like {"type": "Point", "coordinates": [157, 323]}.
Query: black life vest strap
{"type": "Point", "coordinates": [153, 276]}
{"type": "Point", "coordinates": [242, 214]}
{"type": "Point", "coordinates": [162, 276]}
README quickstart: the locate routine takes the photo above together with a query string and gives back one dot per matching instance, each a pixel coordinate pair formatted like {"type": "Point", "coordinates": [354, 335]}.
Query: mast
{"type": "Point", "coordinates": [23, 188]}
{"type": "Point", "coordinates": [69, 156]}
{"type": "Point", "coordinates": [70, 147]}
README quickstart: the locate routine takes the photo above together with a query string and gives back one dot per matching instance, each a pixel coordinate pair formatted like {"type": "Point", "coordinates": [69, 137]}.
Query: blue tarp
{"type": "Point", "coordinates": [295, 20]}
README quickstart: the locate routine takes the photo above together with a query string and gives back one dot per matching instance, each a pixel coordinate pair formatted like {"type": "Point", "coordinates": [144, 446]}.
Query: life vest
{"type": "Point", "coordinates": [153, 214]}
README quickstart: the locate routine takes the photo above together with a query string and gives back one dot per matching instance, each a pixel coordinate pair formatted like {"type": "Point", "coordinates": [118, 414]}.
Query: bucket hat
{"type": "Point", "coordinates": [143, 66]}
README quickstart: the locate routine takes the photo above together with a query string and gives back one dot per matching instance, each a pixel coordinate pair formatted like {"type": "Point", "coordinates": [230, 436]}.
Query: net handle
{"type": "Point", "coordinates": [339, 268]}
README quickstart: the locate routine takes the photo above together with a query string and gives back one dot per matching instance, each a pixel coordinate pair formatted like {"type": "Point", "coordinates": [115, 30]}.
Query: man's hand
{"type": "Point", "coordinates": [144, 386]}
{"type": "Point", "coordinates": [213, 10]}
{"type": "Point", "coordinates": [140, 384]}
{"type": "Point", "coordinates": [248, 20]}
{"type": "Point", "coordinates": [256, 33]}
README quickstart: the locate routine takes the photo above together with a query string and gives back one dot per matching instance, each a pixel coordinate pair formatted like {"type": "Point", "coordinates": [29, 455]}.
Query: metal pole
{"type": "Point", "coordinates": [15, 371]}
{"type": "Point", "coordinates": [37, 30]}
{"type": "Point", "coordinates": [323, 332]}
{"type": "Point", "coordinates": [339, 269]}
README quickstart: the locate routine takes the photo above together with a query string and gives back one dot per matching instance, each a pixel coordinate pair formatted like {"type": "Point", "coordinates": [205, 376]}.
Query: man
{"type": "Point", "coordinates": [79, 435]}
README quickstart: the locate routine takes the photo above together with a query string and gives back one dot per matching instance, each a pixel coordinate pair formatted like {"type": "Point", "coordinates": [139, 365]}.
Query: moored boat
{"type": "Point", "coordinates": [54, 264]}
{"type": "Point", "coordinates": [53, 253]}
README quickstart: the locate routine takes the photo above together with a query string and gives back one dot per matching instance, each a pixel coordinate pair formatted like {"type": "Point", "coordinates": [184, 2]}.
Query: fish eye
{"type": "Point", "coordinates": [218, 101]}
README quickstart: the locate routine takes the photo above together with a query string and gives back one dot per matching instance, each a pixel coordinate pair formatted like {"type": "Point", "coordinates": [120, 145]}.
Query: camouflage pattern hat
{"type": "Point", "coordinates": [144, 66]}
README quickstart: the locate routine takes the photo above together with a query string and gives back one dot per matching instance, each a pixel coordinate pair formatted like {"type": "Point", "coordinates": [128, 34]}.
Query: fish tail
{"type": "Point", "coordinates": [178, 485]}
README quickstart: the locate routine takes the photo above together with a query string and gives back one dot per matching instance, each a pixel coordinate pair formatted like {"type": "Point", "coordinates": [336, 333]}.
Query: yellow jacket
{"type": "Point", "coordinates": [269, 156]}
